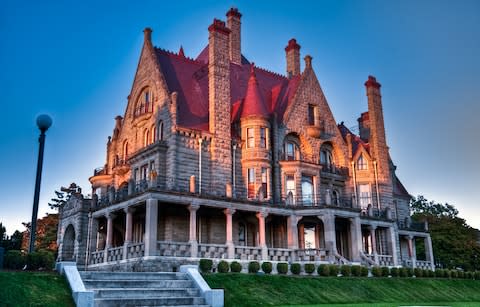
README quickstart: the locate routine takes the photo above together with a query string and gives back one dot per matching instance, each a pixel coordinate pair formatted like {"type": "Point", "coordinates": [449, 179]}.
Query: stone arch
{"type": "Point", "coordinates": [337, 153]}
{"type": "Point", "coordinates": [305, 148]}
{"type": "Point", "coordinates": [68, 247]}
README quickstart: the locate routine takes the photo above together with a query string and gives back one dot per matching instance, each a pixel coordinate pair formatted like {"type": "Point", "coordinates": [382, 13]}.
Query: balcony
{"type": "Point", "coordinates": [334, 170]}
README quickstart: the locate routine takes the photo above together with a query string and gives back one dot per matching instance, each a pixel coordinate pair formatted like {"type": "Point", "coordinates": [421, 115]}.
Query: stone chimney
{"type": "Point", "coordinates": [293, 58]}
{"type": "Point", "coordinates": [219, 104]}
{"type": "Point", "coordinates": [147, 36]}
{"type": "Point", "coordinates": [235, 42]}
{"type": "Point", "coordinates": [364, 126]}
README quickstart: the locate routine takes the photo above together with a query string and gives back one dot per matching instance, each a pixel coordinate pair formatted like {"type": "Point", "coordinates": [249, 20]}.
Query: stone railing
{"type": "Point", "coordinates": [423, 264]}
{"type": "Point", "coordinates": [173, 249]}
{"type": "Point", "coordinates": [115, 253]}
{"type": "Point", "coordinates": [97, 257]}
{"type": "Point", "coordinates": [212, 251]}
{"type": "Point", "coordinates": [136, 250]}
{"type": "Point", "coordinates": [248, 253]}
{"type": "Point", "coordinates": [280, 254]}
{"type": "Point", "coordinates": [311, 254]}
{"type": "Point", "coordinates": [385, 260]}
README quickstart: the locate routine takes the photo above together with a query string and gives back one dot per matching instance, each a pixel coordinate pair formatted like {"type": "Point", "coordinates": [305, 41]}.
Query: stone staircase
{"type": "Point", "coordinates": [142, 289]}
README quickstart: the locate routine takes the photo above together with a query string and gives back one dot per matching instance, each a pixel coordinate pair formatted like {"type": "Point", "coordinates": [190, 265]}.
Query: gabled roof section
{"type": "Point", "coordinates": [399, 188]}
{"type": "Point", "coordinates": [357, 142]}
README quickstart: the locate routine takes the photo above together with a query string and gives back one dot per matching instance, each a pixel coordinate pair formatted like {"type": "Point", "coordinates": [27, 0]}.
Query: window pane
{"type": "Point", "coordinates": [309, 235]}
{"type": "Point", "coordinates": [263, 140]}
{"type": "Point", "coordinates": [250, 138]}
{"type": "Point", "coordinates": [307, 190]}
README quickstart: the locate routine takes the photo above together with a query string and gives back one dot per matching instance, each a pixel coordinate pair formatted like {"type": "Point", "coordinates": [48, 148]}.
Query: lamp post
{"type": "Point", "coordinates": [43, 122]}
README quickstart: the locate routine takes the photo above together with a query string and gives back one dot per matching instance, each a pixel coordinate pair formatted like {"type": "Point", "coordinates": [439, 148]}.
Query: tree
{"type": "Point", "coordinates": [14, 242]}
{"type": "Point", "coordinates": [63, 195]}
{"type": "Point", "coordinates": [46, 233]}
{"type": "Point", "coordinates": [454, 242]}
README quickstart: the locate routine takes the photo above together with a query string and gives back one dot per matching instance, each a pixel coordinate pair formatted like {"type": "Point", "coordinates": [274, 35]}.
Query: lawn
{"type": "Point", "coordinates": [34, 289]}
{"type": "Point", "coordinates": [274, 290]}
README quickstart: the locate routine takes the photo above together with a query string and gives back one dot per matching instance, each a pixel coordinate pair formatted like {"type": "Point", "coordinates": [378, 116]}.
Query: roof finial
{"type": "Point", "coordinates": [180, 52]}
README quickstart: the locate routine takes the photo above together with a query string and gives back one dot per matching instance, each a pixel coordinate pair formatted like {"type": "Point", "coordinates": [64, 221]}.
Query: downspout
{"type": "Point", "coordinates": [355, 184]}
{"type": "Point", "coordinates": [233, 168]}
{"type": "Point", "coordinates": [376, 183]}
{"type": "Point", "coordinates": [87, 250]}
{"type": "Point", "coordinates": [200, 140]}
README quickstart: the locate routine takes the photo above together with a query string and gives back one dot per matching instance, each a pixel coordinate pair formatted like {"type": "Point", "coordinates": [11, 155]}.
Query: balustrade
{"type": "Point", "coordinates": [173, 249]}
{"type": "Point", "coordinates": [248, 253]}
{"type": "Point", "coordinates": [218, 251]}
{"type": "Point", "coordinates": [97, 257]}
{"type": "Point", "coordinates": [115, 254]}
{"type": "Point", "coordinates": [311, 254]}
{"type": "Point", "coordinates": [136, 250]}
{"type": "Point", "coordinates": [280, 254]}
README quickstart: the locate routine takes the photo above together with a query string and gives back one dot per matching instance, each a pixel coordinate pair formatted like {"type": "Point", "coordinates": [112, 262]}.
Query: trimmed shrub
{"type": "Point", "coordinates": [253, 267]}
{"type": "Point", "coordinates": [477, 275]}
{"type": "Point", "coordinates": [267, 267]}
{"type": "Point", "coordinates": [356, 270]}
{"type": "Point", "coordinates": [282, 268]}
{"type": "Point", "coordinates": [453, 274]}
{"type": "Point", "coordinates": [364, 271]}
{"type": "Point", "coordinates": [439, 273]}
{"type": "Point", "coordinates": [377, 271]}
{"type": "Point", "coordinates": [403, 272]}
{"type": "Point", "coordinates": [205, 265]}
{"type": "Point", "coordinates": [461, 274]}
{"type": "Point", "coordinates": [14, 260]}
{"type": "Point", "coordinates": [430, 273]}
{"type": "Point", "coordinates": [235, 267]}
{"type": "Point", "coordinates": [469, 275]}
{"type": "Point", "coordinates": [418, 272]}
{"type": "Point", "coordinates": [409, 272]}
{"type": "Point", "coordinates": [385, 271]}
{"type": "Point", "coordinates": [295, 268]}
{"type": "Point", "coordinates": [447, 273]}
{"type": "Point", "coordinates": [223, 267]}
{"type": "Point", "coordinates": [333, 270]}
{"type": "Point", "coordinates": [323, 270]}
{"type": "Point", "coordinates": [394, 272]}
{"type": "Point", "coordinates": [309, 268]}
{"type": "Point", "coordinates": [42, 259]}
{"type": "Point", "coordinates": [346, 270]}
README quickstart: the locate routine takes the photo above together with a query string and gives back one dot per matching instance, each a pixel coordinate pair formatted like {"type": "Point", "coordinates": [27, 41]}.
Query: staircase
{"type": "Point", "coordinates": [141, 289]}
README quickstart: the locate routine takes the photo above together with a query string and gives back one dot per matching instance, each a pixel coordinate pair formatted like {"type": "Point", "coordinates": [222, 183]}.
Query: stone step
{"type": "Point", "coordinates": [132, 275]}
{"type": "Point", "coordinates": [134, 293]}
{"type": "Point", "coordinates": [128, 283]}
{"type": "Point", "coordinates": [152, 301]}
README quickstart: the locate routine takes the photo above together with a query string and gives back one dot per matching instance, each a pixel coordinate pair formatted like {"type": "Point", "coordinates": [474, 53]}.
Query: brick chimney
{"type": "Point", "coordinates": [219, 104]}
{"type": "Point", "coordinates": [293, 58]}
{"type": "Point", "coordinates": [364, 126]}
{"type": "Point", "coordinates": [235, 42]}
{"type": "Point", "coordinates": [147, 36]}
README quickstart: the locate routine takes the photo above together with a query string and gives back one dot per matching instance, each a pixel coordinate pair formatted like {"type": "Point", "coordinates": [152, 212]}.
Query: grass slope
{"type": "Point", "coordinates": [255, 290]}
{"type": "Point", "coordinates": [34, 289]}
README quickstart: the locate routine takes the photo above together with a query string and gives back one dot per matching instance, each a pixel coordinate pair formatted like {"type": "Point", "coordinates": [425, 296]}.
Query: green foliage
{"type": "Point", "coordinates": [409, 272]}
{"type": "Point", "coordinates": [333, 270]}
{"type": "Point", "coordinates": [267, 267]}
{"type": "Point", "coordinates": [377, 271]}
{"type": "Point", "coordinates": [323, 270]}
{"type": "Point", "coordinates": [477, 275]}
{"type": "Point", "coordinates": [10, 243]}
{"type": "Point", "coordinates": [439, 273]}
{"type": "Point", "coordinates": [205, 265]}
{"type": "Point", "coordinates": [453, 273]}
{"type": "Point", "coordinates": [295, 268]}
{"type": "Point", "coordinates": [309, 268]}
{"type": "Point", "coordinates": [345, 270]}
{"type": "Point", "coordinates": [14, 260]}
{"type": "Point", "coordinates": [447, 274]}
{"type": "Point", "coordinates": [385, 271]}
{"type": "Point", "coordinates": [235, 267]}
{"type": "Point", "coordinates": [394, 272]}
{"type": "Point", "coordinates": [42, 259]}
{"type": "Point", "coordinates": [461, 274]}
{"type": "Point", "coordinates": [468, 275]}
{"type": "Point", "coordinates": [430, 273]}
{"type": "Point", "coordinates": [418, 272]}
{"type": "Point", "coordinates": [403, 272]}
{"type": "Point", "coordinates": [356, 270]}
{"type": "Point", "coordinates": [364, 271]}
{"type": "Point", "coordinates": [253, 267]}
{"type": "Point", "coordinates": [223, 267]}
{"type": "Point", "coordinates": [282, 268]}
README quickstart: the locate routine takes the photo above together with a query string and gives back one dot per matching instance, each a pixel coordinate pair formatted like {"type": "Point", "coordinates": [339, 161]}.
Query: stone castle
{"type": "Point", "coordinates": [218, 158]}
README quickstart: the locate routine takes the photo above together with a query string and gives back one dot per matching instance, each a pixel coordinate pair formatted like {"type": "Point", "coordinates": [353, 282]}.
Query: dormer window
{"type": "Point", "coordinates": [362, 163]}
{"type": "Point", "coordinates": [144, 103]}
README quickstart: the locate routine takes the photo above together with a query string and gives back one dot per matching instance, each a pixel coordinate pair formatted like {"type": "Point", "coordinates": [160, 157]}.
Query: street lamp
{"type": "Point", "coordinates": [43, 122]}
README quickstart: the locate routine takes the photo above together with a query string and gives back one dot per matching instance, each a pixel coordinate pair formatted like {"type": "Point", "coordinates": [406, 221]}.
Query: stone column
{"type": "Point", "coordinates": [193, 230]}
{"type": "Point", "coordinates": [108, 244]}
{"type": "Point", "coordinates": [151, 224]}
{"type": "Point", "coordinates": [429, 251]}
{"type": "Point", "coordinates": [373, 240]}
{"type": "Point", "coordinates": [411, 252]}
{"type": "Point", "coordinates": [292, 234]}
{"type": "Point", "coordinates": [261, 231]}
{"type": "Point", "coordinates": [393, 244]}
{"type": "Point", "coordinates": [330, 238]}
{"type": "Point", "coordinates": [128, 230]}
{"type": "Point", "coordinates": [356, 238]}
{"type": "Point", "coordinates": [229, 233]}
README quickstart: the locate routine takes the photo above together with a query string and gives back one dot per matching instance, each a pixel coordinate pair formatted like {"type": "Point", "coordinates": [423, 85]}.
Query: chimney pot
{"type": "Point", "coordinates": [147, 35]}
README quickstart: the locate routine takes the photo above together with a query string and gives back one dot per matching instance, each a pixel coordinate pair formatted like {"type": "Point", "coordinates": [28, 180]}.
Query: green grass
{"type": "Point", "coordinates": [274, 290]}
{"type": "Point", "coordinates": [34, 289]}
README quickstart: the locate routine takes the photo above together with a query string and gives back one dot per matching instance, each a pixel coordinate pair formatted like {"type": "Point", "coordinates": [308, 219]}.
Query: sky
{"type": "Point", "coordinates": [75, 60]}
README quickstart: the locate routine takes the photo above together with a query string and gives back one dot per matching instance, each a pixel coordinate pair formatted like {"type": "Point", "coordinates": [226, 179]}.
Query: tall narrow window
{"type": "Point", "coordinates": [263, 137]}
{"type": "Point", "coordinates": [250, 138]}
{"type": "Point", "coordinates": [362, 163]}
{"type": "Point", "coordinates": [160, 130]}
{"type": "Point", "coordinates": [290, 188]}
{"type": "Point", "coordinates": [307, 190]}
{"type": "Point", "coordinates": [242, 234]}
{"type": "Point", "coordinates": [125, 151]}
{"type": "Point", "coordinates": [311, 115]}
{"type": "Point", "coordinates": [264, 182]}
{"type": "Point", "coordinates": [251, 183]}
{"type": "Point", "coordinates": [146, 137]}
{"type": "Point", "coordinates": [154, 134]}
{"type": "Point", "coordinates": [364, 195]}
{"type": "Point", "coordinates": [290, 151]}
{"type": "Point", "coordinates": [144, 103]}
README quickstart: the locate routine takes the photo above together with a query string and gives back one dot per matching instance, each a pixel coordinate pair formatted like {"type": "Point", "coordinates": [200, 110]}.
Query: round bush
{"type": "Point", "coordinates": [418, 272]}
{"type": "Point", "coordinates": [282, 268]}
{"type": "Point", "coordinates": [439, 273]}
{"type": "Point", "coordinates": [409, 272]}
{"type": "Point", "coordinates": [461, 274]}
{"type": "Point", "coordinates": [205, 265]}
{"type": "Point", "coordinates": [223, 267]}
{"type": "Point", "coordinates": [364, 271]}
{"type": "Point", "coordinates": [377, 271]}
{"type": "Point", "coordinates": [477, 275]}
{"type": "Point", "coordinates": [403, 272]}
{"type": "Point", "coordinates": [394, 272]}
{"type": "Point", "coordinates": [468, 275]}
{"type": "Point", "coordinates": [333, 270]}
{"type": "Point", "coordinates": [14, 260]}
{"type": "Point", "coordinates": [235, 267]}
{"type": "Point", "coordinates": [253, 267]}
{"type": "Point", "coordinates": [309, 268]}
{"type": "Point", "coordinates": [356, 270]}
{"type": "Point", "coordinates": [385, 271]}
{"type": "Point", "coordinates": [447, 273]}
{"type": "Point", "coordinates": [295, 268]}
{"type": "Point", "coordinates": [453, 274]}
{"type": "Point", "coordinates": [267, 267]}
{"type": "Point", "coordinates": [345, 270]}
{"type": "Point", "coordinates": [323, 270]}
{"type": "Point", "coordinates": [430, 273]}
{"type": "Point", "coordinates": [42, 259]}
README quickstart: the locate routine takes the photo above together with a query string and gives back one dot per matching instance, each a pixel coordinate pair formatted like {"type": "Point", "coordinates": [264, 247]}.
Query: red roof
{"type": "Point", "coordinates": [189, 78]}
{"type": "Point", "coordinates": [356, 140]}
{"type": "Point", "coordinates": [253, 104]}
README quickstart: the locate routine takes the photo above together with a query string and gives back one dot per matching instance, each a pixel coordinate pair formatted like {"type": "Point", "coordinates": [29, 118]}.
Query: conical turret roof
{"type": "Point", "coordinates": [254, 104]}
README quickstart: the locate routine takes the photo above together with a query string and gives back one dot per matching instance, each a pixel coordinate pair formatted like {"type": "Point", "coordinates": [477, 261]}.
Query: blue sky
{"type": "Point", "coordinates": [76, 60]}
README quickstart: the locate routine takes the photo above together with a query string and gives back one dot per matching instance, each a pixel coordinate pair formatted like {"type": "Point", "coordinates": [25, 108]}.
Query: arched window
{"type": "Point", "coordinates": [335, 198]}
{"type": "Point", "coordinates": [154, 134]}
{"type": "Point", "coordinates": [291, 149]}
{"type": "Point", "coordinates": [362, 163]}
{"type": "Point", "coordinates": [160, 131]}
{"type": "Point", "coordinates": [125, 150]}
{"type": "Point", "coordinates": [144, 102]}
{"type": "Point", "coordinates": [146, 137]}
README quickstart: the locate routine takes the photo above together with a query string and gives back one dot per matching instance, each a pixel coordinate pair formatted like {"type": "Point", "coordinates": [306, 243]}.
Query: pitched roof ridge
{"type": "Point", "coordinates": [179, 56]}
{"type": "Point", "coordinates": [276, 74]}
